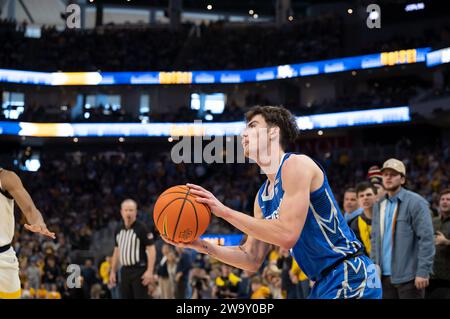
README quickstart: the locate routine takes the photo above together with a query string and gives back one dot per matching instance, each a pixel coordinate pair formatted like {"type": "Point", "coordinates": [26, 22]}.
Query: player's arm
{"type": "Point", "coordinates": [13, 185]}
{"type": "Point", "coordinates": [297, 176]}
{"type": "Point", "coordinates": [248, 256]}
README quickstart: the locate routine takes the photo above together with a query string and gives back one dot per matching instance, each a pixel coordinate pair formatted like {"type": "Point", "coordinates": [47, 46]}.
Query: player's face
{"type": "Point", "coordinates": [350, 202]}
{"type": "Point", "coordinates": [257, 137]}
{"type": "Point", "coordinates": [392, 180]}
{"type": "Point", "coordinates": [128, 212]}
{"type": "Point", "coordinates": [366, 198]}
{"type": "Point", "coordinates": [444, 204]}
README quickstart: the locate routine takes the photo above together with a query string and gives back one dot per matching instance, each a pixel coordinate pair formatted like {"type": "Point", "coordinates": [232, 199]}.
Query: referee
{"type": "Point", "coordinates": [135, 250]}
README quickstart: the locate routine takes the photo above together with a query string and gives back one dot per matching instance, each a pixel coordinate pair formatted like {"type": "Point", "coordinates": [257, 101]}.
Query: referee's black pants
{"type": "Point", "coordinates": [131, 286]}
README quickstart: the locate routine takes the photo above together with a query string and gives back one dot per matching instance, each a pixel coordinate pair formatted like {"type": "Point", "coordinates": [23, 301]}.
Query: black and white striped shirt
{"type": "Point", "coordinates": [132, 243]}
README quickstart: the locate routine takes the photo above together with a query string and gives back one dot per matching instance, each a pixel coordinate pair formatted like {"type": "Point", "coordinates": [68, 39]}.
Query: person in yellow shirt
{"type": "Point", "coordinates": [27, 292]}
{"type": "Point", "coordinates": [104, 270]}
{"type": "Point", "coordinates": [259, 289]}
{"type": "Point", "coordinates": [362, 225]}
{"type": "Point", "coordinates": [227, 283]}
{"type": "Point", "coordinates": [53, 293]}
{"type": "Point", "coordinates": [41, 292]}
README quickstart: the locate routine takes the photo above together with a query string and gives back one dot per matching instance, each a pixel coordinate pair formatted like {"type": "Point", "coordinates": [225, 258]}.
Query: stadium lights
{"type": "Point", "coordinates": [255, 16]}
{"type": "Point", "coordinates": [209, 7]}
{"type": "Point", "coordinates": [414, 7]}
{"type": "Point", "coordinates": [251, 12]}
{"type": "Point", "coordinates": [350, 11]}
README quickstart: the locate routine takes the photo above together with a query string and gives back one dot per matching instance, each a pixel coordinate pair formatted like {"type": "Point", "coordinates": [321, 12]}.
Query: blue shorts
{"type": "Point", "coordinates": [354, 278]}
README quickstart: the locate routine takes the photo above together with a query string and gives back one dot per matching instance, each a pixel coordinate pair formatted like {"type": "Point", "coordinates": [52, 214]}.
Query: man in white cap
{"type": "Point", "coordinates": [402, 237]}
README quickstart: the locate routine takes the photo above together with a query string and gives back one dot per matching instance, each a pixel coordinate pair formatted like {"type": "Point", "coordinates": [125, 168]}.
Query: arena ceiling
{"type": "Point", "coordinates": [267, 7]}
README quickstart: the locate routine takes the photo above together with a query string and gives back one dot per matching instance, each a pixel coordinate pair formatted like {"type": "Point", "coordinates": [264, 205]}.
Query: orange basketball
{"type": "Point", "coordinates": [179, 217]}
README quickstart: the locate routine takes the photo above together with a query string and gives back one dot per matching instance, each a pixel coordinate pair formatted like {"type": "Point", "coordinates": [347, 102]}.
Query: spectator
{"type": "Point", "coordinates": [165, 280]}
{"type": "Point", "coordinates": [27, 292]}
{"type": "Point", "coordinates": [259, 289]}
{"type": "Point", "coordinates": [440, 280]}
{"type": "Point", "coordinates": [200, 283]}
{"type": "Point", "coordinates": [182, 274]}
{"type": "Point", "coordinates": [244, 285]}
{"type": "Point", "coordinates": [288, 281]}
{"type": "Point", "coordinates": [96, 291]}
{"type": "Point", "coordinates": [300, 280]}
{"type": "Point", "coordinates": [227, 283]}
{"type": "Point", "coordinates": [351, 208]}
{"type": "Point", "coordinates": [42, 292]}
{"type": "Point", "coordinates": [90, 276]}
{"type": "Point", "coordinates": [53, 293]}
{"type": "Point", "coordinates": [33, 274]}
{"type": "Point", "coordinates": [362, 225]}
{"type": "Point", "coordinates": [402, 237]}
{"type": "Point", "coordinates": [51, 271]}
{"type": "Point", "coordinates": [104, 272]}
{"type": "Point", "coordinates": [374, 176]}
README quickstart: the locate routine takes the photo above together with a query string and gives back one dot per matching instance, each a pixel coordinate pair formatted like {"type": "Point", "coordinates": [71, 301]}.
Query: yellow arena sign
{"type": "Point", "coordinates": [399, 57]}
{"type": "Point", "coordinates": [187, 130]}
{"type": "Point", "coordinates": [175, 77]}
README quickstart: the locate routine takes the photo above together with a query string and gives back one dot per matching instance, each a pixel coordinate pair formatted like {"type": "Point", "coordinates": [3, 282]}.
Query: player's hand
{"type": "Point", "coordinates": [199, 245]}
{"type": "Point", "coordinates": [147, 278]}
{"type": "Point", "coordinates": [421, 283]}
{"type": "Point", "coordinates": [41, 229]}
{"type": "Point", "coordinates": [206, 197]}
{"type": "Point", "coordinates": [112, 279]}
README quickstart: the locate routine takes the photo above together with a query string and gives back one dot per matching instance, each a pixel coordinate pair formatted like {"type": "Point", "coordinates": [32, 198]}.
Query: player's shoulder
{"type": "Point", "coordinates": [9, 178]}
{"type": "Point", "coordinates": [299, 164]}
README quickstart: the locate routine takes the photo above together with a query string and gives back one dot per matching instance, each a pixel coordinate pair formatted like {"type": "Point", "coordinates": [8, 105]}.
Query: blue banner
{"type": "Point", "coordinates": [223, 76]}
{"type": "Point", "coordinates": [198, 128]}
{"type": "Point", "coordinates": [224, 240]}
{"type": "Point", "coordinates": [438, 57]}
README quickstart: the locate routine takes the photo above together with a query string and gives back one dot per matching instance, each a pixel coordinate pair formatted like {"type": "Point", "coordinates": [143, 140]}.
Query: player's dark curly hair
{"type": "Point", "coordinates": [277, 116]}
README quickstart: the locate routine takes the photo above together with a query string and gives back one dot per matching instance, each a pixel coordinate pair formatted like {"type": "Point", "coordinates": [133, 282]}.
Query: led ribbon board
{"type": "Point", "coordinates": [224, 240]}
{"type": "Point", "coordinates": [317, 121]}
{"type": "Point", "coordinates": [438, 57]}
{"type": "Point", "coordinates": [210, 77]}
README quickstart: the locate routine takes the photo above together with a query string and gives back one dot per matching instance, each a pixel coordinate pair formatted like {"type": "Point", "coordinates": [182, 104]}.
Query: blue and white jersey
{"type": "Point", "coordinates": [326, 248]}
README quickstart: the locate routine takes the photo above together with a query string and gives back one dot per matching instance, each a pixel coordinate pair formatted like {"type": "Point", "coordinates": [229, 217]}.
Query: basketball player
{"type": "Point", "coordinates": [294, 209]}
{"type": "Point", "coordinates": [11, 189]}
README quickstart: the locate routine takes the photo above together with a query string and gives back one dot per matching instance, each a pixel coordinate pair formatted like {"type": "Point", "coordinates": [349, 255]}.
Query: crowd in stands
{"type": "Point", "coordinates": [215, 46]}
{"type": "Point", "coordinates": [80, 193]}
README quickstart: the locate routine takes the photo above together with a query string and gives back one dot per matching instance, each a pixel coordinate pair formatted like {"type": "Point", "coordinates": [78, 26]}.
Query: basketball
{"type": "Point", "coordinates": [179, 217]}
